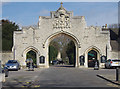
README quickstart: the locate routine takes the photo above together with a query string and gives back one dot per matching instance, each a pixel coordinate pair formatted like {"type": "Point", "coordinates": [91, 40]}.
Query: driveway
{"type": "Point", "coordinates": [59, 77]}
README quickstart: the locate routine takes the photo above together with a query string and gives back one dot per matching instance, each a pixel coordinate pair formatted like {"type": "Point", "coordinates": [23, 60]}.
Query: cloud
{"type": "Point", "coordinates": [6, 17]}
{"type": "Point", "coordinates": [44, 12]}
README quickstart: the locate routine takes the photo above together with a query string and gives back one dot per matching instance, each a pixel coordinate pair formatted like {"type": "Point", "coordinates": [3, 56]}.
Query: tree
{"type": "Point", "coordinates": [55, 44]}
{"type": "Point", "coordinates": [7, 34]}
{"type": "Point", "coordinates": [52, 53]}
{"type": "Point", "coordinates": [71, 52]}
{"type": "Point", "coordinates": [60, 43]}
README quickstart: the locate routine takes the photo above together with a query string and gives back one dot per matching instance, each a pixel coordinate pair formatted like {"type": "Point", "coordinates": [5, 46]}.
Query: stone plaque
{"type": "Point", "coordinates": [42, 59]}
{"type": "Point", "coordinates": [103, 59]}
{"type": "Point", "coordinates": [82, 60]}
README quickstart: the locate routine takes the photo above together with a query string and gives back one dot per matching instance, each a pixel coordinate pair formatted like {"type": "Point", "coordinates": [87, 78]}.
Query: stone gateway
{"type": "Point", "coordinates": [90, 42]}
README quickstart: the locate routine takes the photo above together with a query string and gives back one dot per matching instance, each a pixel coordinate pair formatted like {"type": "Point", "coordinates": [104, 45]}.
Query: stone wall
{"type": "Point", "coordinates": [6, 56]}
{"type": "Point", "coordinates": [115, 55]}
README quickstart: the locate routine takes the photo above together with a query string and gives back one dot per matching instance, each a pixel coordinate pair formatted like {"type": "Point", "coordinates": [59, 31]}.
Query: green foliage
{"type": "Point", "coordinates": [55, 44]}
{"type": "Point", "coordinates": [52, 53]}
{"type": "Point", "coordinates": [7, 34]}
{"type": "Point", "coordinates": [71, 52]}
{"type": "Point", "coordinates": [32, 55]}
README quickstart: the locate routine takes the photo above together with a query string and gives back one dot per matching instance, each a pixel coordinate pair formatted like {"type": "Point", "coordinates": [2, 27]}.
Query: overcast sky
{"type": "Point", "coordinates": [27, 13]}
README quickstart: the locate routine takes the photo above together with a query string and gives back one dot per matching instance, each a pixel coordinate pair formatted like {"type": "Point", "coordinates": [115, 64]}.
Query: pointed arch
{"type": "Point", "coordinates": [93, 48]}
{"type": "Point", "coordinates": [52, 36]}
{"type": "Point", "coordinates": [29, 49]}
{"type": "Point", "coordinates": [72, 37]}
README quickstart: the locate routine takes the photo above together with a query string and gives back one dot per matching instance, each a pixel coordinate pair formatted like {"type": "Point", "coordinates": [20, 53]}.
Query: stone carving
{"type": "Point", "coordinates": [62, 22]}
{"type": "Point", "coordinates": [61, 19]}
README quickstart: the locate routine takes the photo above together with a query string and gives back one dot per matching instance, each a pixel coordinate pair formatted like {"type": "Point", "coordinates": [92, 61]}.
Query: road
{"type": "Point", "coordinates": [58, 77]}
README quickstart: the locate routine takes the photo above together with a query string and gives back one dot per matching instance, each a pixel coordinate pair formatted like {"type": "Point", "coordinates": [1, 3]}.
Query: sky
{"type": "Point", "coordinates": [60, 0]}
{"type": "Point", "coordinates": [27, 13]}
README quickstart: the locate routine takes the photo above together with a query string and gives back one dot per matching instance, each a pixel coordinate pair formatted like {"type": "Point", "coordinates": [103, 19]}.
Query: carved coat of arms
{"type": "Point", "coordinates": [61, 20]}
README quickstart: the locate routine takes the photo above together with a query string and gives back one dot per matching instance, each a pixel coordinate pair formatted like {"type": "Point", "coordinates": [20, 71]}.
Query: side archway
{"type": "Point", "coordinates": [35, 51]}
{"type": "Point", "coordinates": [92, 54]}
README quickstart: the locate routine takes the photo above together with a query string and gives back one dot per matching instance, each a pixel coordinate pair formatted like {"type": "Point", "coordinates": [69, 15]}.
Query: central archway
{"type": "Point", "coordinates": [72, 37]}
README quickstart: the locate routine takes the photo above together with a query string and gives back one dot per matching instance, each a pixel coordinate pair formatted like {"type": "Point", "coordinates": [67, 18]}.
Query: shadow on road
{"type": "Point", "coordinates": [100, 76]}
{"type": "Point", "coordinates": [18, 83]}
{"type": "Point", "coordinates": [64, 66]}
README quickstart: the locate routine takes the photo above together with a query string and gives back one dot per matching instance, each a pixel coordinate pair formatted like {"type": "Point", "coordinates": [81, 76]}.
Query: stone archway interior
{"type": "Point", "coordinates": [92, 57]}
{"type": "Point", "coordinates": [61, 44]}
{"type": "Point", "coordinates": [32, 55]}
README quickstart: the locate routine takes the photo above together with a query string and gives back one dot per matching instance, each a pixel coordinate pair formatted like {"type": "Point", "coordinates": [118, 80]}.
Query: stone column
{"type": "Point", "coordinates": [47, 57]}
{"type": "Point", "coordinates": [77, 58]}
{"type": "Point", "coordinates": [37, 58]}
{"type": "Point", "coordinates": [86, 60]}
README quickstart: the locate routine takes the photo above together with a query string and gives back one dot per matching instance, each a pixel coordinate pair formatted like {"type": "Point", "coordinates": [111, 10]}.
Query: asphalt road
{"type": "Point", "coordinates": [59, 77]}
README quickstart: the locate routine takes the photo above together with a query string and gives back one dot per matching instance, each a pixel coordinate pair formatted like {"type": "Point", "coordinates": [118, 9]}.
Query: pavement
{"type": "Point", "coordinates": [57, 76]}
{"type": "Point", "coordinates": [110, 77]}
{"type": "Point", "coordinates": [2, 77]}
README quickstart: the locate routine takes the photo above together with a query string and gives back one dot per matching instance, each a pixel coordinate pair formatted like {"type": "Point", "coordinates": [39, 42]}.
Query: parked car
{"type": "Point", "coordinates": [12, 65]}
{"type": "Point", "coordinates": [60, 62]}
{"type": "Point", "coordinates": [110, 63]}
{"type": "Point", "coordinates": [54, 62]}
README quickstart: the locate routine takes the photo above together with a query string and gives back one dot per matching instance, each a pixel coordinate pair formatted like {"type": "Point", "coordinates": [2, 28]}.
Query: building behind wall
{"type": "Point", "coordinates": [115, 43]}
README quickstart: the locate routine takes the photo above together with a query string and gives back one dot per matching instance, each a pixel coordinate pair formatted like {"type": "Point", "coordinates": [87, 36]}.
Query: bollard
{"type": "Point", "coordinates": [117, 74]}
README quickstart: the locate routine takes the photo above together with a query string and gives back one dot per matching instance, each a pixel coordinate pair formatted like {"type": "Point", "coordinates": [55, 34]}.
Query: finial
{"type": "Point", "coordinates": [61, 3]}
